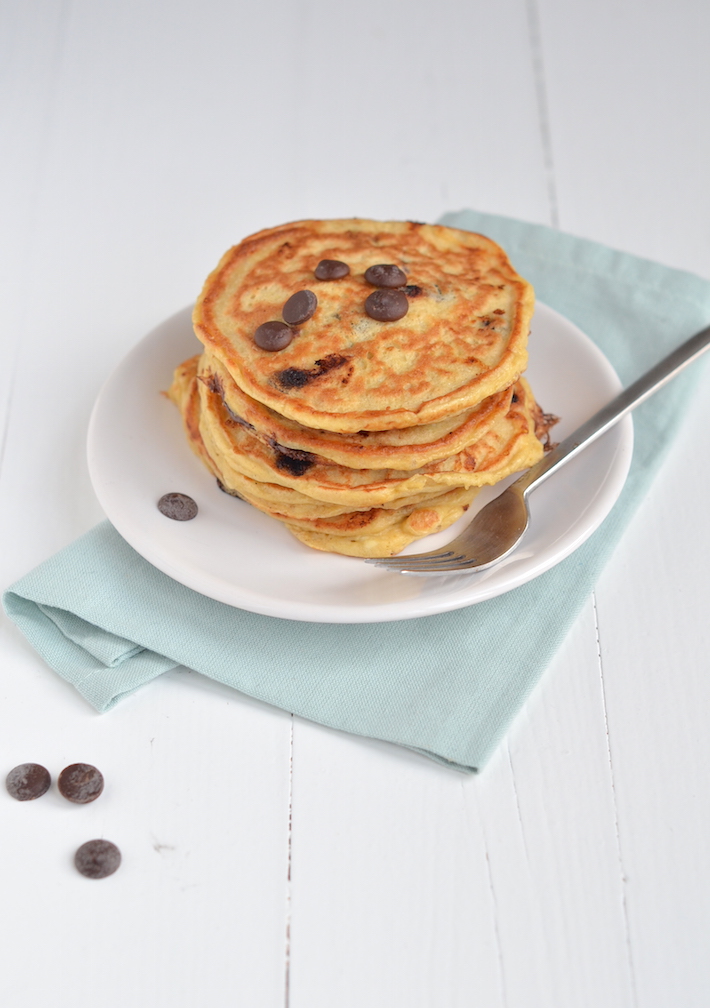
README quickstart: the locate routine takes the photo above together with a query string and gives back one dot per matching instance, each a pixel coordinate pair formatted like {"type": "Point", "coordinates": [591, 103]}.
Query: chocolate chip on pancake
{"type": "Point", "coordinates": [27, 781]}
{"type": "Point", "coordinates": [298, 377]}
{"type": "Point", "coordinates": [224, 489]}
{"type": "Point", "coordinates": [412, 290]}
{"type": "Point", "coordinates": [385, 275]}
{"type": "Point", "coordinates": [177, 506]}
{"type": "Point", "coordinates": [299, 307]}
{"type": "Point", "coordinates": [331, 269]}
{"type": "Point", "coordinates": [294, 466]}
{"type": "Point", "coordinates": [273, 335]}
{"type": "Point", "coordinates": [387, 305]}
{"type": "Point", "coordinates": [97, 858]}
{"type": "Point", "coordinates": [293, 378]}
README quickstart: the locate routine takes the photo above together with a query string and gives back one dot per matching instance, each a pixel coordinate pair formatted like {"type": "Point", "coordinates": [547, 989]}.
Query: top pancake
{"type": "Point", "coordinates": [463, 339]}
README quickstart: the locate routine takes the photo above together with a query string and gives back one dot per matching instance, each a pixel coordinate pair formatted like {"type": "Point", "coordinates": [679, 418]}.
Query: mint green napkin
{"type": "Point", "coordinates": [446, 686]}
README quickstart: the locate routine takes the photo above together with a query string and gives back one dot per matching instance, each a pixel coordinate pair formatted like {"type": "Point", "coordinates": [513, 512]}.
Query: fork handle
{"type": "Point", "coordinates": [608, 415]}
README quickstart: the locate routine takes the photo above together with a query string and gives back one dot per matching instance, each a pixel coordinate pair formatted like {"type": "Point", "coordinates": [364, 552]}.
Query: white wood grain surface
{"type": "Point", "coordinates": [269, 861]}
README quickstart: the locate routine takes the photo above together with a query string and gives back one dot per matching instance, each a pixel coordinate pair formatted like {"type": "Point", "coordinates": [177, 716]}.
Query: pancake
{"type": "Point", "coordinates": [442, 512]}
{"type": "Point", "coordinates": [271, 498]}
{"type": "Point", "coordinates": [404, 448]}
{"type": "Point", "coordinates": [462, 340]}
{"type": "Point", "coordinates": [375, 532]}
{"type": "Point", "coordinates": [415, 519]}
{"type": "Point", "coordinates": [510, 445]}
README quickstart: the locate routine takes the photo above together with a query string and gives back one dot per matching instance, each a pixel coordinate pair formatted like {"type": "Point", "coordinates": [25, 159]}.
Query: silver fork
{"type": "Point", "coordinates": [498, 527]}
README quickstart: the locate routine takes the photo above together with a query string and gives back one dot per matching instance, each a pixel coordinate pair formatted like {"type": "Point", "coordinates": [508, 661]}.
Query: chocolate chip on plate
{"type": "Point", "coordinates": [80, 783]}
{"type": "Point", "coordinates": [97, 858]}
{"type": "Point", "coordinates": [387, 305]}
{"type": "Point", "coordinates": [273, 335]}
{"type": "Point", "coordinates": [28, 781]}
{"type": "Point", "coordinates": [299, 307]}
{"type": "Point", "coordinates": [177, 506]}
{"type": "Point", "coordinates": [331, 269]}
{"type": "Point", "coordinates": [385, 275]}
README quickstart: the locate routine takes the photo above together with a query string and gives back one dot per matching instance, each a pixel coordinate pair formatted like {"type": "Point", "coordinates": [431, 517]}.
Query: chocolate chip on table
{"type": "Point", "coordinates": [331, 269]}
{"type": "Point", "coordinates": [273, 335]}
{"type": "Point", "coordinates": [97, 858]}
{"type": "Point", "coordinates": [385, 275]}
{"type": "Point", "coordinates": [80, 783]}
{"type": "Point", "coordinates": [387, 305]}
{"type": "Point", "coordinates": [177, 506]}
{"type": "Point", "coordinates": [28, 781]}
{"type": "Point", "coordinates": [299, 307]}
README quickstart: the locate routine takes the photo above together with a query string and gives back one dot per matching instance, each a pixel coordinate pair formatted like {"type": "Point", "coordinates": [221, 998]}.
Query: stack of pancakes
{"type": "Point", "coordinates": [362, 434]}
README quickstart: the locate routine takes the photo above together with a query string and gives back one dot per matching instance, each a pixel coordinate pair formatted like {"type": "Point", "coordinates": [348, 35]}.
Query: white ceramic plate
{"type": "Point", "coordinates": [236, 554]}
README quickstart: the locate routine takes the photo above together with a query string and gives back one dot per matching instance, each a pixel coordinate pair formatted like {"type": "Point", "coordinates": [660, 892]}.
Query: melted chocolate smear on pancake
{"type": "Point", "coordinates": [298, 377]}
{"type": "Point", "coordinates": [296, 467]}
{"type": "Point", "coordinates": [412, 290]}
{"type": "Point", "coordinates": [235, 418]}
{"type": "Point", "coordinates": [213, 383]}
{"type": "Point", "coordinates": [293, 460]}
{"type": "Point", "coordinates": [543, 422]}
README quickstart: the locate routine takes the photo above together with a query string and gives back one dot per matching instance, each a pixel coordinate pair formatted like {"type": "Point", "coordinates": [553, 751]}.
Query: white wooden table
{"type": "Point", "coordinates": [269, 861]}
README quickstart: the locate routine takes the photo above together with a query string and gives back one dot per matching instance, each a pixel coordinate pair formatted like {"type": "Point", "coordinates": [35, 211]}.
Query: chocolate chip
{"type": "Point", "coordinates": [80, 783]}
{"type": "Point", "coordinates": [385, 275]}
{"type": "Point", "coordinates": [177, 506]}
{"type": "Point", "coordinates": [273, 335]}
{"type": "Point", "coordinates": [411, 290]}
{"type": "Point", "coordinates": [224, 489]}
{"type": "Point", "coordinates": [293, 377]}
{"type": "Point", "coordinates": [97, 858]}
{"type": "Point", "coordinates": [213, 383]}
{"type": "Point", "coordinates": [237, 419]}
{"type": "Point", "coordinates": [299, 307]}
{"type": "Point", "coordinates": [331, 269]}
{"type": "Point", "coordinates": [298, 377]}
{"type": "Point", "coordinates": [387, 305]}
{"type": "Point", "coordinates": [28, 781]}
{"type": "Point", "coordinates": [294, 466]}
